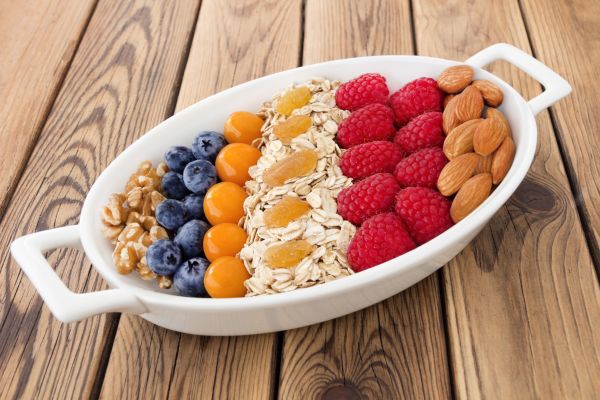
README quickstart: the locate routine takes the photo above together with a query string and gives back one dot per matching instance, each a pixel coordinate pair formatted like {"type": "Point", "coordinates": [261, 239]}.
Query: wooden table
{"type": "Point", "coordinates": [515, 316]}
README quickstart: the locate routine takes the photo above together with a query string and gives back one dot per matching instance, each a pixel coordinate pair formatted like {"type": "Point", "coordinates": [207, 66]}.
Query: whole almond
{"type": "Point", "coordinates": [460, 139]}
{"type": "Point", "coordinates": [484, 164]}
{"type": "Point", "coordinates": [469, 104]}
{"type": "Point", "coordinates": [488, 136]}
{"type": "Point", "coordinates": [456, 78]}
{"type": "Point", "coordinates": [495, 113]}
{"type": "Point", "coordinates": [456, 173]}
{"type": "Point", "coordinates": [450, 121]}
{"type": "Point", "coordinates": [491, 93]}
{"type": "Point", "coordinates": [503, 158]}
{"type": "Point", "coordinates": [447, 99]}
{"type": "Point", "coordinates": [470, 196]}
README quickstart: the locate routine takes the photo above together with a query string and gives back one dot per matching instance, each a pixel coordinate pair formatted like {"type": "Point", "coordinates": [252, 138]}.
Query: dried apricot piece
{"type": "Point", "coordinates": [294, 126]}
{"type": "Point", "coordinates": [300, 163]}
{"type": "Point", "coordinates": [292, 99]}
{"type": "Point", "coordinates": [285, 211]}
{"type": "Point", "coordinates": [288, 254]}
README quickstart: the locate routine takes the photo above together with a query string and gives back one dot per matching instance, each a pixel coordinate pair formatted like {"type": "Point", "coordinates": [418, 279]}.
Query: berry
{"type": "Point", "coordinates": [199, 176]}
{"type": "Point", "coordinates": [425, 212]}
{"type": "Point", "coordinates": [370, 123]}
{"type": "Point", "coordinates": [193, 204]}
{"type": "Point", "coordinates": [173, 186]}
{"type": "Point", "coordinates": [190, 236]}
{"type": "Point", "coordinates": [421, 168]}
{"type": "Point", "coordinates": [421, 132]}
{"type": "Point", "coordinates": [234, 160]}
{"type": "Point", "coordinates": [171, 214]}
{"type": "Point", "coordinates": [224, 202]}
{"type": "Point", "coordinates": [177, 157]}
{"type": "Point", "coordinates": [370, 158]}
{"type": "Point", "coordinates": [207, 145]}
{"type": "Point", "coordinates": [361, 91]}
{"type": "Point", "coordinates": [372, 195]}
{"type": "Point", "coordinates": [163, 257]}
{"type": "Point", "coordinates": [381, 238]}
{"type": "Point", "coordinates": [242, 127]}
{"type": "Point", "coordinates": [225, 277]}
{"type": "Point", "coordinates": [415, 98]}
{"type": "Point", "coordinates": [189, 278]}
{"type": "Point", "coordinates": [223, 240]}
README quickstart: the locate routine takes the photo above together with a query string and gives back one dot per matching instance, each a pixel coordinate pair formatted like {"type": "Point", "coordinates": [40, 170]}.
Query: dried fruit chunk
{"type": "Point", "coordinates": [470, 196]}
{"type": "Point", "coordinates": [456, 173]}
{"type": "Point", "coordinates": [285, 211]}
{"type": "Point", "coordinates": [503, 158]}
{"type": "Point", "coordinates": [294, 126]}
{"type": "Point", "coordinates": [491, 93]}
{"type": "Point", "coordinates": [293, 99]}
{"type": "Point", "coordinates": [300, 163]}
{"type": "Point", "coordinates": [288, 254]}
{"type": "Point", "coordinates": [456, 78]}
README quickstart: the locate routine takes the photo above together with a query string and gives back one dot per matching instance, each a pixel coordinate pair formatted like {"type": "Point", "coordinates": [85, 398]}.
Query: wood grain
{"type": "Point", "coordinates": [120, 84]}
{"type": "Point", "coordinates": [37, 41]}
{"type": "Point", "coordinates": [258, 38]}
{"type": "Point", "coordinates": [522, 300]}
{"type": "Point", "coordinates": [395, 349]}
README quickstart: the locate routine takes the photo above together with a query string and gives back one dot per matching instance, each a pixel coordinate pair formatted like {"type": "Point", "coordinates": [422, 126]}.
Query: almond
{"type": "Point", "coordinates": [495, 113]}
{"type": "Point", "coordinates": [456, 173]}
{"type": "Point", "coordinates": [450, 121]}
{"type": "Point", "coordinates": [485, 164]}
{"type": "Point", "coordinates": [470, 196]}
{"type": "Point", "coordinates": [503, 158]}
{"type": "Point", "coordinates": [460, 139]}
{"type": "Point", "coordinates": [469, 104]}
{"type": "Point", "coordinates": [491, 93]}
{"type": "Point", "coordinates": [488, 136]}
{"type": "Point", "coordinates": [455, 79]}
{"type": "Point", "coordinates": [447, 99]}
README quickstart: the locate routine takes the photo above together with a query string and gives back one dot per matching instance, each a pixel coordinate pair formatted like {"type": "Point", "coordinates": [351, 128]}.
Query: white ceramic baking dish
{"type": "Point", "coordinates": [301, 307]}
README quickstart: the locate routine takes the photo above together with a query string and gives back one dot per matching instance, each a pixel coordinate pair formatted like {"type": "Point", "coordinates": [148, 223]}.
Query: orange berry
{"type": "Point", "coordinates": [234, 160]}
{"type": "Point", "coordinates": [223, 240]}
{"type": "Point", "coordinates": [225, 277]}
{"type": "Point", "coordinates": [242, 127]}
{"type": "Point", "coordinates": [224, 202]}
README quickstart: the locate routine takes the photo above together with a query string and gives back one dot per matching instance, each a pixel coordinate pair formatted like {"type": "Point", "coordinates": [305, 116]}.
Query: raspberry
{"type": "Point", "coordinates": [370, 123]}
{"type": "Point", "coordinates": [425, 212]}
{"type": "Point", "coordinates": [415, 98]}
{"type": "Point", "coordinates": [371, 196]}
{"type": "Point", "coordinates": [370, 158]}
{"type": "Point", "coordinates": [361, 91]}
{"type": "Point", "coordinates": [421, 168]}
{"type": "Point", "coordinates": [421, 132]}
{"type": "Point", "coordinates": [380, 239]}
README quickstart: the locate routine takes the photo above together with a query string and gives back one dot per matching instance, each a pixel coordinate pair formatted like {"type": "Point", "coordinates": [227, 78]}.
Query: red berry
{"type": "Point", "coordinates": [421, 132]}
{"type": "Point", "coordinates": [421, 168]}
{"type": "Point", "coordinates": [372, 195]}
{"type": "Point", "coordinates": [378, 240]}
{"type": "Point", "coordinates": [425, 212]}
{"type": "Point", "coordinates": [415, 98]}
{"type": "Point", "coordinates": [361, 91]}
{"type": "Point", "coordinates": [370, 158]}
{"type": "Point", "coordinates": [370, 123]}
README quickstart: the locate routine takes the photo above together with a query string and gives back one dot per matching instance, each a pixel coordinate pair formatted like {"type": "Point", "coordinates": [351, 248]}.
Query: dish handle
{"type": "Point", "coordinates": [66, 305]}
{"type": "Point", "coordinates": [555, 87]}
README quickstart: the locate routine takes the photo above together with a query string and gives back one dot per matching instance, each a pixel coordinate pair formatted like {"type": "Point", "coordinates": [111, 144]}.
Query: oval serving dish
{"type": "Point", "coordinates": [239, 316]}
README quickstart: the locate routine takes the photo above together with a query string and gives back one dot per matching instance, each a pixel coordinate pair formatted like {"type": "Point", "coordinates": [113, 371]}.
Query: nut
{"type": "Point", "coordinates": [112, 232]}
{"type": "Point", "coordinates": [131, 233]}
{"type": "Point", "coordinates": [502, 160]}
{"type": "Point", "coordinates": [488, 136]}
{"type": "Point", "coordinates": [114, 213]}
{"type": "Point", "coordinates": [455, 79]}
{"type": "Point", "coordinates": [456, 173]}
{"type": "Point", "coordinates": [450, 120]}
{"type": "Point", "coordinates": [164, 282]}
{"type": "Point", "coordinates": [125, 258]}
{"type": "Point", "coordinates": [497, 114]}
{"type": "Point", "coordinates": [460, 139]}
{"type": "Point", "coordinates": [469, 104]}
{"type": "Point", "coordinates": [135, 198]}
{"type": "Point", "coordinates": [491, 93]}
{"type": "Point", "coordinates": [447, 99]}
{"type": "Point", "coordinates": [484, 164]}
{"type": "Point", "coordinates": [158, 233]}
{"type": "Point", "coordinates": [470, 196]}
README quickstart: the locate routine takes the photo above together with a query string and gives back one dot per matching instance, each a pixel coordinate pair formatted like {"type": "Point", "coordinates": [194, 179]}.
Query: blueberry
{"type": "Point", "coordinates": [177, 157]}
{"type": "Point", "coordinates": [189, 278]}
{"type": "Point", "coordinates": [163, 257]}
{"type": "Point", "coordinates": [190, 237]}
{"type": "Point", "coordinates": [207, 144]}
{"type": "Point", "coordinates": [171, 214]}
{"type": "Point", "coordinates": [173, 186]}
{"type": "Point", "coordinates": [199, 175]}
{"type": "Point", "coordinates": [193, 204]}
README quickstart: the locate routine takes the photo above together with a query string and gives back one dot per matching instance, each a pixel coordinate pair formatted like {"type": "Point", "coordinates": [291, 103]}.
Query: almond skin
{"type": "Point", "coordinates": [469, 104]}
{"type": "Point", "coordinates": [460, 139]}
{"type": "Point", "coordinates": [456, 173]}
{"type": "Point", "coordinates": [447, 99]}
{"type": "Point", "coordinates": [456, 78]}
{"type": "Point", "coordinates": [450, 121]}
{"type": "Point", "coordinates": [503, 158]}
{"type": "Point", "coordinates": [492, 94]}
{"type": "Point", "coordinates": [485, 164]}
{"type": "Point", "coordinates": [470, 196]}
{"type": "Point", "coordinates": [488, 136]}
{"type": "Point", "coordinates": [495, 113]}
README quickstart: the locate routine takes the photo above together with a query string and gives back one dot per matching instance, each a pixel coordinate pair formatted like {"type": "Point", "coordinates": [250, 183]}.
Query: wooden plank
{"type": "Point", "coordinates": [107, 100]}
{"type": "Point", "coordinates": [395, 349]}
{"type": "Point", "coordinates": [566, 36]}
{"type": "Point", "coordinates": [38, 40]}
{"type": "Point", "coordinates": [258, 38]}
{"type": "Point", "coordinates": [522, 300]}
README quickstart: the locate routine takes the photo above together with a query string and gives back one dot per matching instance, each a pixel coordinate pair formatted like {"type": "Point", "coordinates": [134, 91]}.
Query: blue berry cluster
{"type": "Point", "coordinates": [191, 174]}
